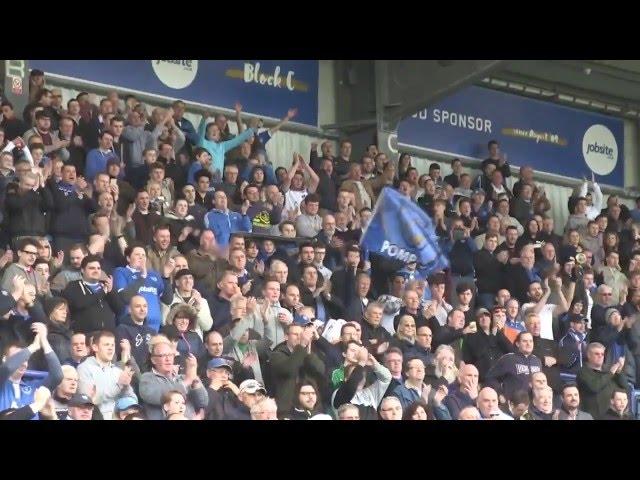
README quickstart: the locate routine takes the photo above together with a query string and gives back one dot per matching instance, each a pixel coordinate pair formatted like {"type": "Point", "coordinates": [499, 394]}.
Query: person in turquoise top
{"type": "Point", "coordinates": [209, 136]}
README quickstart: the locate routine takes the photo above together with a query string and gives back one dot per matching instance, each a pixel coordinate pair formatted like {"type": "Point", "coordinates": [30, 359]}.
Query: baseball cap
{"type": "Point", "coordinates": [125, 403]}
{"type": "Point", "coordinates": [480, 311]}
{"type": "Point", "coordinates": [251, 386]}
{"type": "Point", "coordinates": [80, 400]}
{"type": "Point", "coordinates": [218, 363]}
{"type": "Point", "coordinates": [478, 191]}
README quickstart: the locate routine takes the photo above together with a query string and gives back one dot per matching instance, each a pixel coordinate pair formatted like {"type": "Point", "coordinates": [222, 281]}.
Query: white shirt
{"type": "Point", "coordinates": [441, 312]}
{"type": "Point", "coordinates": [546, 319]}
{"type": "Point", "coordinates": [292, 201]}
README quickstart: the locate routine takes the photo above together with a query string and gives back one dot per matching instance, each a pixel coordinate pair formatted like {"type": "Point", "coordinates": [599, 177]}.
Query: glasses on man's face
{"type": "Point", "coordinates": [609, 294]}
{"type": "Point", "coordinates": [164, 355]}
{"type": "Point", "coordinates": [28, 252]}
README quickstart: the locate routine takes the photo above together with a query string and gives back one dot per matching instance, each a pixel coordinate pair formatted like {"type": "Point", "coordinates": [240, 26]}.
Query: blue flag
{"type": "Point", "coordinates": [401, 230]}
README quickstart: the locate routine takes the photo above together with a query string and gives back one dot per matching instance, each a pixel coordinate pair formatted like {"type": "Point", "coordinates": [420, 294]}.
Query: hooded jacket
{"type": "Point", "coordinates": [138, 336]}
{"type": "Point", "coordinates": [204, 320]}
{"type": "Point", "coordinates": [512, 371]}
{"type": "Point", "coordinates": [190, 341]}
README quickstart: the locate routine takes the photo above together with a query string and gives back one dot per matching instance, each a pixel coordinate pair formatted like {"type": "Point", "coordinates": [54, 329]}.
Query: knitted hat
{"type": "Point", "coordinates": [608, 312]}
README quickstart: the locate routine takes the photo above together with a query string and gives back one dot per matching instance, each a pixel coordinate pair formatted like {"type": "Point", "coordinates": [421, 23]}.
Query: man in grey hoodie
{"type": "Point", "coordinates": [103, 380]}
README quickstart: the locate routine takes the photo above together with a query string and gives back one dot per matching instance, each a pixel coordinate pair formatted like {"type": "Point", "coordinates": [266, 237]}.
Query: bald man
{"type": "Point", "coordinates": [487, 403]}
{"type": "Point", "coordinates": [469, 413]}
{"type": "Point", "coordinates": [136, 331]}
{"type": "Point", "coordinates": [465, 391]}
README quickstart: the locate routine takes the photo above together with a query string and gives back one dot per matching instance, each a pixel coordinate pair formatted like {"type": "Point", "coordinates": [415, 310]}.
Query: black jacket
{"type": "Point", "coordinates": [70, 213]}
{"type": "Point", "coordinates": [344, 282]}
{"type": "Point", "coordinates": [225, 405]}
{"type": "Point", "coordinates": [612, 415]}
{"type": "Point", "coordinates": [26, 214]}
{"type": "Point", "coordinates": [489, 272]}
{"type": "Point", "coordinates": [92, 311]}
{"type": "Point", "coordinates": [372, 337]}
{"type": "Point", "coordinates": [484, 350]}
{"type": "Point", "coordinates": [518, 283]}
{"type": "Point", "coordinates": [288, 368]}
{"type": "Point", "coordinates": [543, 347]}
{"type": "Point", "coordinates": [328, 191]}
{"type": "Point", "coordinates": [333, 307]}
{"type": "Point", "coordinates": [60, 339]}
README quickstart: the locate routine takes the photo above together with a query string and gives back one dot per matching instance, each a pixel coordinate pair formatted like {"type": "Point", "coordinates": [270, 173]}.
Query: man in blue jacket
{"type": "Point", "coordinates": [223, 222]}
{"type": "Point", "coordinates": [97, 158]}
{"type": "Point", "coordinates": [14, 391]}
{"type": "Point", "coordinates": [134, 279]}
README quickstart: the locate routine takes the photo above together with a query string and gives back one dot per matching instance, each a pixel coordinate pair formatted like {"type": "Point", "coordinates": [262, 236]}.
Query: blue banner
{"type": "Point", "coordinates": [264, 87]}
{"type": "Point", "coordinates": [549, 137]}
{"type": "Point", "coordinates": [401, 230]}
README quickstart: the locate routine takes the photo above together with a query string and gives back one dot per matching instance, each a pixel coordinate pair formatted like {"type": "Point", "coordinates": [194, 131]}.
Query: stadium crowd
{"type": "Point", "coordinates": [154, 269]}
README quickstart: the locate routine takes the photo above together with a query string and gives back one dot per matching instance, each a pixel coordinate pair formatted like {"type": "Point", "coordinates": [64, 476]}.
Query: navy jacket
{"type": "Point", "coordinates": [138, 336]}
{"type": "Point", "coordinates": [512, 372]}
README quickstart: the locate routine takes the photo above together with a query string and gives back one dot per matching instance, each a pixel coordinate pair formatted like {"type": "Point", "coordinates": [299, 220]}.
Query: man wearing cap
{"type": "Point", "coordinates": [126, 406]}
{"type": "Point", "coordinates": [224, 401]}
{"type": "Point", "coordinates": [251, 392]}
{"type": "Point", "coordinates": [80, 407]}
{"type": "Point", "coordinates": [572, 351]}
{"type": "Point", "coordinates": [184, 293]}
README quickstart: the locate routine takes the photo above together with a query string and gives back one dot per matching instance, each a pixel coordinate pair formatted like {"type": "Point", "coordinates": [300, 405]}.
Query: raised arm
{"type": "Point", "coordinates": [290, 114]}
{"type": "Point", "coordinates": [314, 180]}
{"type": "Point", "coordinates": [294, 168]}
{"type": "Point", "coordinates": [238, 109]}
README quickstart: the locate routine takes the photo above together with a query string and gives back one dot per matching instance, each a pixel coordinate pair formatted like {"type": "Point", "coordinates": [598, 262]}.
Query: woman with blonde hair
{"type": "Point", "coordinates": [444, 370]}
